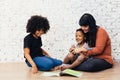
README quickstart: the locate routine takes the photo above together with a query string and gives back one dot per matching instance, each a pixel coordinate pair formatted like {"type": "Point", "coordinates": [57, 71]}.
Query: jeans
{"type": "Point", "coordinates": [93, 65]}
{"type": "Point", "coordinates": [45, 63]}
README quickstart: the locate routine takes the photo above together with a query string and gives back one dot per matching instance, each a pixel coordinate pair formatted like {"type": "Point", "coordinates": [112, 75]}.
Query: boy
{"type": "Point", "coordinates": [36, 57]}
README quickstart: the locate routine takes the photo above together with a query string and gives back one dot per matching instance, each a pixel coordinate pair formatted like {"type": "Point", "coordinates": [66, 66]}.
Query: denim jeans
{"type": "Point", "coordinates": [93, 65]}
{"type": "Point", "coordinates": [45, 63]}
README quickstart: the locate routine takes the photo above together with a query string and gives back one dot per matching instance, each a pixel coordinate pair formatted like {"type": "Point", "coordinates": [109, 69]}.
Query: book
{"type": "Point", "coordinates": [52, 74]}
{"type": "Point", "coordinates": [70, 72]}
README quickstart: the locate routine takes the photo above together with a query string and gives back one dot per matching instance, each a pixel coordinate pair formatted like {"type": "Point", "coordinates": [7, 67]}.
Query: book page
{"type": "Point", "coordinates": [50, 74]}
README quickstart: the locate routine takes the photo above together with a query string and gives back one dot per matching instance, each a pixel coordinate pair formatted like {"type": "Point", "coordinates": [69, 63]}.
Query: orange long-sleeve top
{"type": "Point", "coordinates": [102, 48]}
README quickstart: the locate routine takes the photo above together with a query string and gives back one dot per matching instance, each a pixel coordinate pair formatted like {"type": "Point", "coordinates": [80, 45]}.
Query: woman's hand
{"type": "Point", "coordinates": [83, 50]}
{"type": "Point", "coordinates": [80, 50]}
{"type": "Point", "coordinates": [34, 70]}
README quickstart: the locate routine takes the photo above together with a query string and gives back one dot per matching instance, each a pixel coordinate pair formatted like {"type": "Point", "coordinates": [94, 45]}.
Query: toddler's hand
{"type": "Point", "coordinates": [72, 48]}
{"type": "Point", "coordinates": [77, 50]}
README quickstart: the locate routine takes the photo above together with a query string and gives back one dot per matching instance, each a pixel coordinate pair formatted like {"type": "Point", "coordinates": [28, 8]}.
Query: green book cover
{"type": "Point", "coordinates": [71, 72]}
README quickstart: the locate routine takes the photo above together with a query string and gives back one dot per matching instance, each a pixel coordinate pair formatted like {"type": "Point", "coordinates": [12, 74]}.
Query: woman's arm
{"type": "Point", "coordinates": [29, 59]}
{"type": "Point", "coordinates": [101, 43]}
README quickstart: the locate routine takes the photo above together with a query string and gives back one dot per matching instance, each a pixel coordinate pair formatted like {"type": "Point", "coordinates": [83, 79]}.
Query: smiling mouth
{"type": "Point", "coordinates": [78, 40]}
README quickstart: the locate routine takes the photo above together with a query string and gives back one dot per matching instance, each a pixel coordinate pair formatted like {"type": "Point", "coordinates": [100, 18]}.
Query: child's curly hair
{"type": "Point", "coordinates": [37, 23]}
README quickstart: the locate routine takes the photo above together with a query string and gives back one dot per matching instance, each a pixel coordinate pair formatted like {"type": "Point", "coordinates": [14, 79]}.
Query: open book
{"type": "Point", "coordinates": [53, 74]}
{"type": "Point", "coordinates": [66, 72]}
{"type": "Point", "coordinates": [70, 72]}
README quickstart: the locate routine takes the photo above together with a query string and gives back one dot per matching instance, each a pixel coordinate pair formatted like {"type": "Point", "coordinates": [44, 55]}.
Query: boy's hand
{"type": "Point", "coordinates": [34, 70]}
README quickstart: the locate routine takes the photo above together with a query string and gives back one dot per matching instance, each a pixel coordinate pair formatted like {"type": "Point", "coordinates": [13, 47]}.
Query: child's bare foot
{"type": "Point", "coordinates": [57, 68]}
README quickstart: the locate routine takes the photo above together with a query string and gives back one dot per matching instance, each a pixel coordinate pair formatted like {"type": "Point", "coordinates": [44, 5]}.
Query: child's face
{"type": "Point", "coordinates": [38, 33]}
{"type": "Point", "coordinates": [79, 37]}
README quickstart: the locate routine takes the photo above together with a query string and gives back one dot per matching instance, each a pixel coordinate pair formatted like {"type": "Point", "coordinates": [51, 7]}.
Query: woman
{"type": "Point", "coordinates": [100, 57]}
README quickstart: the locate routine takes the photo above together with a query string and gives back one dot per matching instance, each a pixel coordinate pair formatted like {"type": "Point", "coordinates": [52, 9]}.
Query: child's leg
{"type": "Point", "coordinates": [78, 60]}
{"type": "Point", "coordinates": [69, 57]}
{"type": "Point", "coordinates": [56, 62]}
{"type": "Point", "coordinates": [43, 63]}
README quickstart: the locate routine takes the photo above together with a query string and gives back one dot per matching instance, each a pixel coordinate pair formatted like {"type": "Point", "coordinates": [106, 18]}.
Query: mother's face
{"type": "Point", "coordinates": [85, 28]}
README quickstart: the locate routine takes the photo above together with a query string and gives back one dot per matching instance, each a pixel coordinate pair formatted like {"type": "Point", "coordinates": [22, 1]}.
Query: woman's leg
{"type": "Point", "coordinates": [93, 65]}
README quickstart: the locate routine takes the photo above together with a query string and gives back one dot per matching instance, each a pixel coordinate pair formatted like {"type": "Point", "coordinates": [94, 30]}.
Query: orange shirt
{"type": "Point", "coordinates": [102, 48]}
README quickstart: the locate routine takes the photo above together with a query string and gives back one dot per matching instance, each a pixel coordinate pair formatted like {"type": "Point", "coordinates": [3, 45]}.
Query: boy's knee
{"type": "Point", "coordinates": [59, 62]}
{"type": "Point", "coordinates": [46, 66]}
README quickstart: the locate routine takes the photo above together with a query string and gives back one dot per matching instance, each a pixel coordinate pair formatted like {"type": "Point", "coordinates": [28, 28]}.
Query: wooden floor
{"type": "Point", "coordinates": [19, 71]}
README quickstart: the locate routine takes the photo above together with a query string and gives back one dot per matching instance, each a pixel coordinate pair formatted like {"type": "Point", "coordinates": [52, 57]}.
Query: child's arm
{"type": "Point", "coordinates": [80, 50]}
{"type": "Point", "coordinates": [72, 48]}
{"type": "Point", "coordinates": [46, 53]}
{"type": "Point", "coordinates": [29, 59]}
